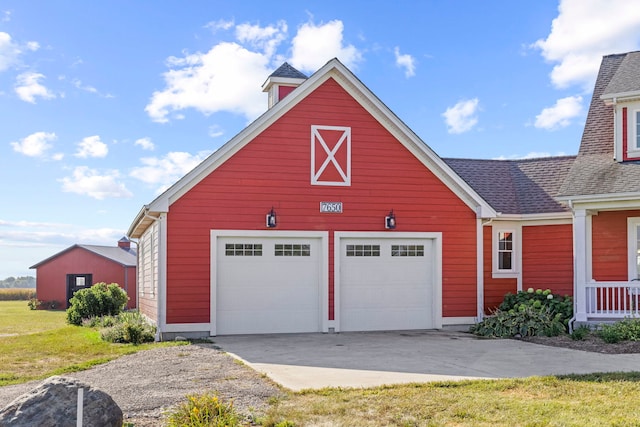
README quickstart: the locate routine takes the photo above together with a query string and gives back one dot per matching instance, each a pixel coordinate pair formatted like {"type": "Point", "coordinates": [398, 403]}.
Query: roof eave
{"type": "Point", "coordinates": [613, 98]}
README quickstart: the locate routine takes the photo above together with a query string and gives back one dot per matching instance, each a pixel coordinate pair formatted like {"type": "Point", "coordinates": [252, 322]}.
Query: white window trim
{"type": "Point", "coordinates": [516, 260]}
{"type": "Point", "coordinates": [633, 150]}
{"type": "Point", "coordinates": [632, 246]}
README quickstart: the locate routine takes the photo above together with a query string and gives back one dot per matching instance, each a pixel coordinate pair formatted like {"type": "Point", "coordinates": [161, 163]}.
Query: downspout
{"type": "Point", "coordinates": [575, 285]}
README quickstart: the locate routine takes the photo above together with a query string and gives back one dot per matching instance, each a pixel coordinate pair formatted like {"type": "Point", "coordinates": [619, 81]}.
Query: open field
{"type": "Point", "coordinates": [36, 344]}
{"type": "Point", "coordinates": [14, 294]}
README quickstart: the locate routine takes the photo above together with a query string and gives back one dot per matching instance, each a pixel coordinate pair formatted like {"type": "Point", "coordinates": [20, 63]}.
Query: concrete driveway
{"type": "Point", "coordinates": [366, 359]}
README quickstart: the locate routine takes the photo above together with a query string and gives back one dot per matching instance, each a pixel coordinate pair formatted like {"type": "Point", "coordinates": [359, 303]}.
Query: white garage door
{"type": "Point", "coordinates": [267, 285]}
{"type": "Point", "coordinates": [386, 284]}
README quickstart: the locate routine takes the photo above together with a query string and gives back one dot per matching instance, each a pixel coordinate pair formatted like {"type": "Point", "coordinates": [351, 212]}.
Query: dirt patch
{"type": "Point", "coordinates": [591, 343]}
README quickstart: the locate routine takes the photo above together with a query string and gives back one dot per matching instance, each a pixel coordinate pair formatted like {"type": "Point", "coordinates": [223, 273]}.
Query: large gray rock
{"type": "Point", "coordinates": [54, 403]}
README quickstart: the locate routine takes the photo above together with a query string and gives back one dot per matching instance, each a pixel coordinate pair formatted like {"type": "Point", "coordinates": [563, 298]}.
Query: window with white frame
{"type": "Point", "coordinates": [505, 250]}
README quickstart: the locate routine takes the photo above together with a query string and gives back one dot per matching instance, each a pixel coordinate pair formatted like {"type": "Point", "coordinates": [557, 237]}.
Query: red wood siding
{"type": "Point", "coordinates": [274, 170]}
{"type": "Point", "coordinates": [284, 91]}
{"type": "Point", "coordinates": [51, 277]}
{"type": "Point", "coordinates": [609, 245]}
{"type": "Point", "coordinates": [494, 289]}
{"type": "Point", "coordinates": [547, 258]}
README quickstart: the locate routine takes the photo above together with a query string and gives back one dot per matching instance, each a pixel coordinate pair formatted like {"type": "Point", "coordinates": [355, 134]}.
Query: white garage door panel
{"type": "Point", "coordinates": [267, 293]}
{"type": "Point", "coordinates": [386, 292]}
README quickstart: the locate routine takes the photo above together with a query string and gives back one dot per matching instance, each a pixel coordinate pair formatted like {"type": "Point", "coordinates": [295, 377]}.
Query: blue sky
{"type": "Point", "coordinates": [104, 104]}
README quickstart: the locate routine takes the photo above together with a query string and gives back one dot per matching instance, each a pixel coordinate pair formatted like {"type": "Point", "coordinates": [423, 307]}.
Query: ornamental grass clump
{"type": "Point", "coordinates": [528, 313]}
{"type": "Point", "coordinates": [204, 410]}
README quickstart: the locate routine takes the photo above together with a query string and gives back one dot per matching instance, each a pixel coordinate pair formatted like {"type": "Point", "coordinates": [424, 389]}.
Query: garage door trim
{"type": "Point", "coordinates": [323, 259]}
{"type": "Point", "coordinates": [436, 259]}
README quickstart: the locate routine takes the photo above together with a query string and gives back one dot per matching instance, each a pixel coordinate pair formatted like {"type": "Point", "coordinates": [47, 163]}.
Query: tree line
{"type": "Point", "coordinates": [18, 282]}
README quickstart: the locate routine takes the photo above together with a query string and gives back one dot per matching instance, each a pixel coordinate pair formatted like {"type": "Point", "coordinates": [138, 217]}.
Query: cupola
{"type": "Point", "coordinates": [282, 82]}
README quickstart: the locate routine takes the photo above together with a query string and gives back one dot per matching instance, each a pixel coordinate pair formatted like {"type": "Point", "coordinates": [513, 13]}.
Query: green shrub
{"type": "Point", "coordinates": [127, 327]}
{"type": "Point", "coordinates": [580, 333]}
{"type": "Point", "coordinates": [526, 321]}
{"type": "Point", "coordinates": [34, 303]}
{"type": "Point", "coordinates": [98, 300]}
{"type": "Point", "coordinates": [627, 329]}
{"type": "Point", "coordinates": [557, 304]}
{"type": "Point", "coordinates": [204, 410]}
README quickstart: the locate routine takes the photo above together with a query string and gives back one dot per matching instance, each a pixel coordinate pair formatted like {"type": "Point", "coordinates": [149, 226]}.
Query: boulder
{"type": "Point", "coordinates": [54, 403]}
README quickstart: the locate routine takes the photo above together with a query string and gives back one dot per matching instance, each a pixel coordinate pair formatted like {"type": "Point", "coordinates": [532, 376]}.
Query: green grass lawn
{"type": "Point", "coordinates": [585, 400]}
{"type": "Point", "coordinates": [35, 344]}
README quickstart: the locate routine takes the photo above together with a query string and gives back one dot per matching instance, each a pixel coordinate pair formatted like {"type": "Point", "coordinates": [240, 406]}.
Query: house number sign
{"type": "Point", "coordinates": [330, 207]}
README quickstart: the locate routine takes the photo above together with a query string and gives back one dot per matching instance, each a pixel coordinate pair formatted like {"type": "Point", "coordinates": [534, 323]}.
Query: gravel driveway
{"type": "Point", "coordinates": [149, 382]}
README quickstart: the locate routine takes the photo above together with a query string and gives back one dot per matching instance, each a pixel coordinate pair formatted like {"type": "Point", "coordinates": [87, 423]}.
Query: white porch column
{"type": "Point", "coordinates": [580, 262]}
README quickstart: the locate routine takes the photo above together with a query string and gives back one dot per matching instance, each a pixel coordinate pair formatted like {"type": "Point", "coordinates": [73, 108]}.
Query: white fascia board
{"type": "Point", "coordinates": [551, 216]}
{"type": "Point", "coordinates": [613, 98]}
{"type": "Point", "coordinates": [604, 201]}
{"type": "Point", "coordinates": [281, 80]}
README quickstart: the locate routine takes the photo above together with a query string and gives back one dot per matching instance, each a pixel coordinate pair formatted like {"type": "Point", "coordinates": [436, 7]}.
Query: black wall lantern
{"type": "Point", "coordinates": [390, 221]}
{"type": "Point", "coordinates": [271, 219]}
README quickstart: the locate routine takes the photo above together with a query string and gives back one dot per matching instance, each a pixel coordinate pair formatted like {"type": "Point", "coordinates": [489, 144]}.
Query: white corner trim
{"type": "Point", "coordinates": [479, 269]}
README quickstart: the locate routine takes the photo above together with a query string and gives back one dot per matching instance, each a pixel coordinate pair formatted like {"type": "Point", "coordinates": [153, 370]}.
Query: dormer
{"type": "Point", "coordinates": [623, 94]}
{"type": "Point", "coordinates": [282, 82]}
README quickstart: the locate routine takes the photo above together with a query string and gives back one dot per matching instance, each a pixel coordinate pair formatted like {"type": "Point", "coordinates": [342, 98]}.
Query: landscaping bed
{"type": "Point", "coordinates": [590, 343]}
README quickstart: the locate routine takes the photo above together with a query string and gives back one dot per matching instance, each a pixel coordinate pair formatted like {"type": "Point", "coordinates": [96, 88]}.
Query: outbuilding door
{"type": "Point", "coordinates": [267, 284]}
{"type": "Point", "coordinates": [75, 282]}
{"type": "Point", "coordinates": [389, 283]}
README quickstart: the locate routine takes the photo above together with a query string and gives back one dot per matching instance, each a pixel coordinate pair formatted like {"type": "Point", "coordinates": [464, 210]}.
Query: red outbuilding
{"type": "Point", "coordinates": [80, 266]}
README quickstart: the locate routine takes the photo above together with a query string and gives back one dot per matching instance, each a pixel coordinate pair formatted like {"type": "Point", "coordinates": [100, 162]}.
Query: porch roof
{"type": "Point", "coordinates": [520, 187]}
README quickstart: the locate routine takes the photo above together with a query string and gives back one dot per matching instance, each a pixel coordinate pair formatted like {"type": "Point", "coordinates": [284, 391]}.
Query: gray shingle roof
{"type": "Point", "coordinates": [595, 170]}
{"type": "Point", "coordinates": [519, 187]}
{"type": "Point", "coordinates": [627, 77]}
{"type": "Point", "coordinates": [286, 70]}
{"type": "Point", "coordinates": [125, 257]}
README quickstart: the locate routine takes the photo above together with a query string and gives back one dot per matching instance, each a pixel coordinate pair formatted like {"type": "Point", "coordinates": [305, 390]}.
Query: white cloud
{"type": "Point", "coordinates": [32, 234]}
{"type": "Point", "coordinates": [215, 131]}
{"type": "Point", "coordinates": [28, 87]}
{"type": "Point", "coordinates": [33, 46]}
{"type": "Point", "coordinates": [531, 155]}
{"type": "Point", "coordinates": [164, 171]}
{"type": "Point", "coordinates": [560, 114]}
{"type": "Point", "coordinates": [583, 32]}
{"type": "Point", "coordinates": [227, 78]}
{"type": "Point", "coordinates": [314, 45]}
{"type": "Point", "coordinates": [9, 51]}
{"type": "Point", "coordinates": [265, 39]}
{"type": "Point", "coordinates": [462, 117]}
{"type": "Point", "coordinates": [35, 145]}
{"type": "Point", "coordinates": [405, 61]}
{"type": "Point", "coordinates": [88, 88]}
{"type": "Point", "coordinates": [220, 24]}
{"type": "Point", "coordinates": [91, 146]}
{"type": "Point", "coordinates": [91, 183]}
{"type": "Point", "coordinates": [145, 143]}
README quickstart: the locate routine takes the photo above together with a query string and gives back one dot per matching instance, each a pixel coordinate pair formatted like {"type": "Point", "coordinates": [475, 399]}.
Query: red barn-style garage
{"type": "Point", "coordinates": [325, 214]}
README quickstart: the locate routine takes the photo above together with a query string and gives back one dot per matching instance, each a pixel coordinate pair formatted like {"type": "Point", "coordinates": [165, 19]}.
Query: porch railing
{"type": "Point", "coordinates": [614, 300]}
